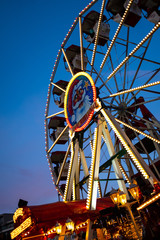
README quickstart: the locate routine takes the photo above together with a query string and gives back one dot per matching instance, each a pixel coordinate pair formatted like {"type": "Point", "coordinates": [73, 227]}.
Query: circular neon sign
{"type": "Point", "coordinates": [79, 101]}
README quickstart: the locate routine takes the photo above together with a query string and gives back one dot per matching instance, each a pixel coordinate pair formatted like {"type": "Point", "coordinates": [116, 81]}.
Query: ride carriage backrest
{"type": "Point", "coordinates": [74, 58]}
{"type": "Point", "coordinates": [152, 9]}
{"type": "Point", "coordinates": [149, 5]}
{"type": "Point", "coordinates": [115, 6]}
{"type": "Point", "coordinates": [89, 27]}
{"type": "Point", "coordinates": [118, 7]}
{"type": "Point", "coordinates": [58, 94]}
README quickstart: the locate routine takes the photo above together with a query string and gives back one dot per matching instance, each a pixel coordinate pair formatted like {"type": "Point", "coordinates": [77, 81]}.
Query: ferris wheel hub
{"type": "Point", "coordinates": [121, 108]}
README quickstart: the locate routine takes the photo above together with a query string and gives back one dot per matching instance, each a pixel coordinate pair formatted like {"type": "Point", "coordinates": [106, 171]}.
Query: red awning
{"type": "Point", "coordinates": [45, 217]}
{"type": "Point", "coordinates": [49, 214]}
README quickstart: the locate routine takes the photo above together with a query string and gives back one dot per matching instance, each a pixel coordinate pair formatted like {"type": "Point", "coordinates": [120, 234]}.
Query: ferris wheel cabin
{"type": "Point", "coordinates": [151, 7]}
{"type": "Point", "coordinates": [74, 58]}
{"type": "Point", "coordinates": [89, 27]}
{"type": "Point", "coordinates": [57, 124]}
{"type": "Point", "coordinates": [58, 94]}
{"type": "Point", "coordinates": [117, 9]}
{"type": "Point", "coordinates": [57, 158]}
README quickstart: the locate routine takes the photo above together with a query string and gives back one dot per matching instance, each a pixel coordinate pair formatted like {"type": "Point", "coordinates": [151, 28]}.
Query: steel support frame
{"type": "Point", "coordinates": [94, 171]}
{"type": "Point", "coordinates": [115, 163]}
{"type": "Point", "coordinates": [128, 145]}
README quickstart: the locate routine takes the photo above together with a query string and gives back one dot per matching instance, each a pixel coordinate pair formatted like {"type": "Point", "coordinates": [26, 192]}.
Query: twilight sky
{"type": "Point", "coordinates": [31, 34]}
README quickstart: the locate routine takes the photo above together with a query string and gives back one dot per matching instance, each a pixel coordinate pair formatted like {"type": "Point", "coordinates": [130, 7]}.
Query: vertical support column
{"type": "Point", "coordinates": [115, 163]}
{"type": "Point", "coordinates": [81, 44]}
{"type": "Point", "coordinates": [71, 171]}
{"type": "Point", "coordinates": [62, 235]}
{"type": "Point", "coordinates": [84, 165]}
{"type": "Point", "coordinates": [130, 169]}
{"type": "Point", "coordinates": [132, 151]}
{"type": "Point", "coordinates": [100, 234]}
{"type": "Point", "coordinates": [133, 220]}
{"type": "Point", "coordinates": [153, 135]}
{"type": "Point", "coordinates": [94, 171]}
{"type": "Point", "coordinates": [89, 232]}
{"type": "Point", "coordinates": [77, 177]}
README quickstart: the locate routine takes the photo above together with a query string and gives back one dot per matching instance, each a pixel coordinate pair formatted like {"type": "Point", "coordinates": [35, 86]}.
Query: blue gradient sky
{"type": "Point", "coordinates": [31, 34]}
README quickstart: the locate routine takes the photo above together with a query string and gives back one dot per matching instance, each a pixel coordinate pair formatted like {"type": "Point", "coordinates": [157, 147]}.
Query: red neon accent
{"type": "Point", "coordinates": [70, 126]}
{"type": "Point", "coordinates": [88, 116]}
{"type": "Point", "coordinates": [84, 125]}
{"type": "Point", "coordinates": [146, 113]}
{"type": "Point", "coordinates": [70, 96]}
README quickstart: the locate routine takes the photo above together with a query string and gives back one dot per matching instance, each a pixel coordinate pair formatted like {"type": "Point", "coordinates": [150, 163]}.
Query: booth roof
{"type": "Point", "coordinates": [49, 214]}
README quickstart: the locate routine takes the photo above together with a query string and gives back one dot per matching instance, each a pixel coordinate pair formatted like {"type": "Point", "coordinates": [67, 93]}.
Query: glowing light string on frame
{"type": "Point", "coordinates": [80, 101]}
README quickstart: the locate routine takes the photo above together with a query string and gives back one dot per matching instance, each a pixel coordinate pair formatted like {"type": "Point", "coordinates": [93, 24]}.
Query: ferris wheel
{"type": "Point", "coordinates": [102, 112]}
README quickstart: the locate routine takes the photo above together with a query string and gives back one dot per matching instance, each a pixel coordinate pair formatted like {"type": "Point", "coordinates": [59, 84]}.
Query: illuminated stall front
{"type": "Point", "coordinates": [55, 219]}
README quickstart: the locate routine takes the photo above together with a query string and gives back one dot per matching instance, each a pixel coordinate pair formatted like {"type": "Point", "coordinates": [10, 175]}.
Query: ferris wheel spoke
{"type": "Point", "coordinates": [58, 87]}
{"type": "Point", "coordinates": [58, 113]}
{"type": "Point", "coordinates": [110, 105]}
{"type": "Point", "coordinates": [155, 124]}
{"type": "Point", "coordinates": [132, 52]}
{"type": "Point", "coordinates": [138, 68]}
{"type": "Point", "coordinates": [151, 91]}
{"type": "Point", "coordinates": [153, 75]}
{"type": "Point", "coordinates": [125, 68]}
{"type": "Point", "coordinates": [63, 164]}
{"type": "Point", "coordinates": [149, 101]}
{"type": "Point", "coordinates": [81, 43]}
{"type": "Point", "coordinates": [57, 139]}
{"type": "Point", "coordinates": [115, 80]}
{"type": "Point", "coordinates": [138, 131]}
{"type": "Point", "coordinates": [147, 60]}
{"type": "Point", "coordinates": [66, 58]}
{"type": "Point", "coordinates": [97, 33]}
{"type": "Point", "coordinates": [134, 89]}
{"type": "Point", "coordinates": [116, 34]}
{"type": "Point", "coordinates": [129, 42]}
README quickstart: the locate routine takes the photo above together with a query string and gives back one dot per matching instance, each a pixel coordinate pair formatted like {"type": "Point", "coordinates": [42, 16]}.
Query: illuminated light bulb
{"type": "Point", "coordinates": [149, 201]}
{"type": "Point", "coordinates": [18, 212]}
{"type": "Point", "coordinates": [122, 198]}
{"type": "Point", "coordinates": [24, 225]}
{"type": "Point", "coordinates": [142, 133]}
{"type": "Point", "coordinates": [69, 172]}
{"type": "Point", "coordinates": [134, 190]}
{"type": "Point", "coordinates": [125, 144]}
{"type": "Point", "coordinates": [58, 228]}
{"type": "Point", "coordinates": [70, 224]}
{"type": "Point", "coordinates": [124, 173]}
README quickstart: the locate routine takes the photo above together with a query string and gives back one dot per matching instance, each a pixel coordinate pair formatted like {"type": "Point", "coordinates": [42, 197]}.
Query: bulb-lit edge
{"type": "Point", "coordinates": [134, 89]}
{"type": "Point", "coordinates": [90, 185]}
{"type": "Point", "coordinates": [147, 203]}
{"type": "Point", "coordinates": [69, 172]}
{"type": "Point", "coordinates": [135, 160]}
{"type": "Point", "coordinates": [77, 129]}
{"type": "Point", "coordinates": [138, 131]}
{"type": "Point", "coordinates": [24, 225]}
